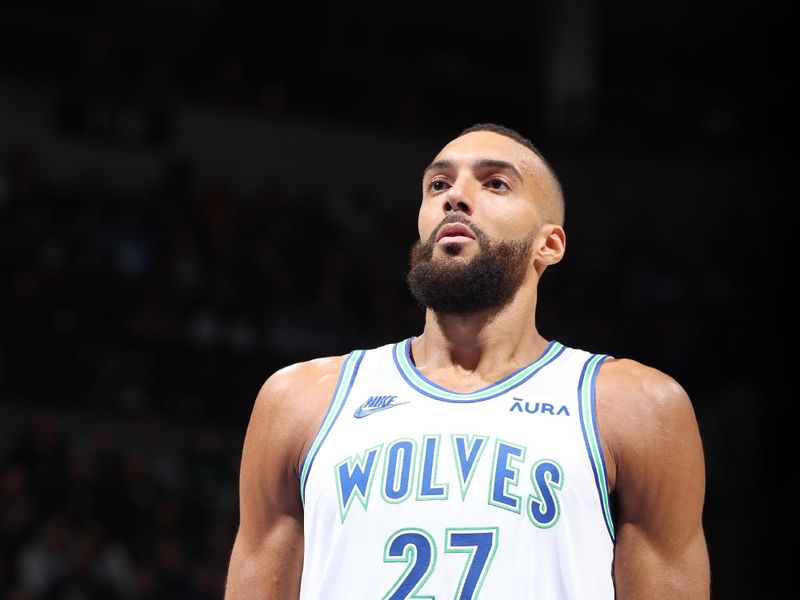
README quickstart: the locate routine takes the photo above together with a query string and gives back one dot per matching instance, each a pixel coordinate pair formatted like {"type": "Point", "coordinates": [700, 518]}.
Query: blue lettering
{"type": "Point", "coordinates": [535, 407]}
{"type": "Point", "coordinates": [402, 472]}
{"type": "Point", "coordinates": [398, 470]}
{"type": "Point", "coordinates": [379, 401]}
{"type": "Point", "coordinates": [354, 478]}
{"type": "Point", "coordinates": [543, 505]}
{"type": "Point", "coordinates": [429, 489]}
{"type": "Point", "coordinates": [467, 458]}
{"type": "Point", "coordinates": [504, 473]}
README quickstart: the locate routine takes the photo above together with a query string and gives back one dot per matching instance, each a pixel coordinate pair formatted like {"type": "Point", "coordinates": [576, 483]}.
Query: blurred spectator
{"type": "Point", "coordinates": [137, 514]}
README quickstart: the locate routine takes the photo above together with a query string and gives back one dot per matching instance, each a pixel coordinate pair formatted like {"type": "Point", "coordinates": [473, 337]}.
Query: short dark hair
{"type": "Point", "coordinates": [521, 139]}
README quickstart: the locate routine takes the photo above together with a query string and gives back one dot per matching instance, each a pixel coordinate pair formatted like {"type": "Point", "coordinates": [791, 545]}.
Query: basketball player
{"type": "Point", "coordinates": [477, 459]}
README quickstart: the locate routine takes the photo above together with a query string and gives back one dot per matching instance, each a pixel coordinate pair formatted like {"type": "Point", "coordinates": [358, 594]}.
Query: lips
{"type": "Point", "coordinates": [455, 232]}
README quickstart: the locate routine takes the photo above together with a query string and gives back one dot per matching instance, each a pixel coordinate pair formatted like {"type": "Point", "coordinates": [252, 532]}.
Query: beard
{"type": "Point", "coordinates": [488, 281]}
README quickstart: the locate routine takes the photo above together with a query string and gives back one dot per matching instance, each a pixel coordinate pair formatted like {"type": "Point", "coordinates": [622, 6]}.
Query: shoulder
{"type": "Point", "coordinates": [285, 416]}
{"type": "Point", "coordinates": [301, 380]}
{"type": "Point", "coordinates": [631, 385]}
{"type": "Point", "coordinates": [291, 404]}
{"type": "Point", "coordinates": [641, 411]}
{"type": "Point", "coordinates": [269, 479]}
{"type": "Point", "coordinates": [296, 392]}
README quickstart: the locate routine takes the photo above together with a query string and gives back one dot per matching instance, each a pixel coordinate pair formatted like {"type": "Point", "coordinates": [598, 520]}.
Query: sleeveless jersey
{"type": "Point", "coordinates": [411, 490]}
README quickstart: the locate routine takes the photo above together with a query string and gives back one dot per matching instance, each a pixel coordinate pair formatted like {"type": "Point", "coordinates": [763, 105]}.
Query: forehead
{"type": "Point", "coordinates": [478, 145]}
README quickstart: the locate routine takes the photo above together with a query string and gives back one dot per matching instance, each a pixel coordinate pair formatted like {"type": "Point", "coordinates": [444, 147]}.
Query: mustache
{"type": "Point", "coordinates": [456, 218]}
{"type": "Point", "coordinates": [423, 251]}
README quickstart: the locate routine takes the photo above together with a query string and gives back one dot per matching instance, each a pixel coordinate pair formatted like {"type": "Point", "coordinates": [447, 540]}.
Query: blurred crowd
{"type": "Point", "coordinates": [114, 510]}
{"type": "Point", "coordinates": [183, 301]}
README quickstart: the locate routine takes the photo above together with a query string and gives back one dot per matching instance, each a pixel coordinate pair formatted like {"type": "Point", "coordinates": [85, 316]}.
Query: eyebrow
{"type": "Point", "coordinates": [486, 163]}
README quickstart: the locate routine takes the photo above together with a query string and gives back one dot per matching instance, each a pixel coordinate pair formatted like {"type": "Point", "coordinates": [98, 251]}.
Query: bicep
{"type": "Point", "coordinates": [660, 548]}
{"type": "Point", "coordinates": [267, 555]}
{"type": "Point", "coordinates": [642, 569]}
{"type": "Point", "coordinates": [266, 564]}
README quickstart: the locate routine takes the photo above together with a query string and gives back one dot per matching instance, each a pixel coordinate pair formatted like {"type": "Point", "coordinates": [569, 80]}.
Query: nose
{"type": "Point", "coordinates": [457, 200]}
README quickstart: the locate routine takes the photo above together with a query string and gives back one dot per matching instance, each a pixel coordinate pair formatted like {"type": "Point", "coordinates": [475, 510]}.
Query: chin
{"type": "Point", "coordinates": [454, 249]}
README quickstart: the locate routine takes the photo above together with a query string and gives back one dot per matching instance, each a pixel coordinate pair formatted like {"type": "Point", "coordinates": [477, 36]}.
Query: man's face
{"type": "Point", "coordinates": [478, 219]}
{"type": "Point", "coordinates": [489, 178]}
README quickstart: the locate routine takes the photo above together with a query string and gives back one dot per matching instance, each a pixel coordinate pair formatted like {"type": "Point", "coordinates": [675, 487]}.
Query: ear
{"type": "Point", "coordinates": [551, 243]}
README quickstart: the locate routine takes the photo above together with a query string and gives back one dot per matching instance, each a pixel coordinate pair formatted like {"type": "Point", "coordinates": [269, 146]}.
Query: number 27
{"type": "Point", "coordinates": [418, 548]}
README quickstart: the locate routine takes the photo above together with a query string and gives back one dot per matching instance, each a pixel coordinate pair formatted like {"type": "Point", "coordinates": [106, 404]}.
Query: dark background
{"type": "Point", "coordinates": [196, 193]}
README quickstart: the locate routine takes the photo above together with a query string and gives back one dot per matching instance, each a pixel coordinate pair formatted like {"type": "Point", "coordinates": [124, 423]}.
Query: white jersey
{"type": "Point", "coordinates": [411, 490]}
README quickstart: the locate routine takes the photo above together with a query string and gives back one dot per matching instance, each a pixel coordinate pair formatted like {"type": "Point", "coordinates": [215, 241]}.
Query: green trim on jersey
{"type": "Point", "coordinates": [346, 376]}
{"type": "Point", "coordinates": [422, 384]}
{"type": "Point", "coordinates": [586, 397]}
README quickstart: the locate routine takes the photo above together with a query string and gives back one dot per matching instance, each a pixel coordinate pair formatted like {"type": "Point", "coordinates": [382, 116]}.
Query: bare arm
{"type": "Point", "coordinates": [655, 453]}
{"type": "Point", "coordinates": [267, 557]}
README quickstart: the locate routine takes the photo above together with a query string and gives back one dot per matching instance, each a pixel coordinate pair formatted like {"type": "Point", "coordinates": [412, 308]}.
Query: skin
{"type": "Point", "coordinates": [646, 423]}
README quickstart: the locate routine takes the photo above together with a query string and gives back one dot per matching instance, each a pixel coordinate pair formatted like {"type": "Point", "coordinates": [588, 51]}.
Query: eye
{"type": "Point", "coordinates": [437, 185]}
{"type": "Point", "coordinates": [498, 184]}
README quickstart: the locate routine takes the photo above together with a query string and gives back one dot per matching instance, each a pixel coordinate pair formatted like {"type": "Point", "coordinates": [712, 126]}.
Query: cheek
{"type": "Point", "coordinates": [427, 221]}
{"type": "Point", "coordinates": [517, 224]}
{"type": "Point", "coordinates": [518, 230]}
{"type": "Point", "coordinates": [506, 223]}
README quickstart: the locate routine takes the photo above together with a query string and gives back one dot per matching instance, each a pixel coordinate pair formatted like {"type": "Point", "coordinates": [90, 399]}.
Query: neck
{"type": "Point", "coordinates": [482, 343]}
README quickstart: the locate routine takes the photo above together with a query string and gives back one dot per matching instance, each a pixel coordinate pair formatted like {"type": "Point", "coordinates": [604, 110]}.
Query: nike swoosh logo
{"type": "Point", "coordinates": [362, 411]}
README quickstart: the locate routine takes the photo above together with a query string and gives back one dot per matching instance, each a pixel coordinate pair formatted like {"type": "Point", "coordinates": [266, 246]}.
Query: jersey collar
{"type": "Point", "coordinates": [402, 359]}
